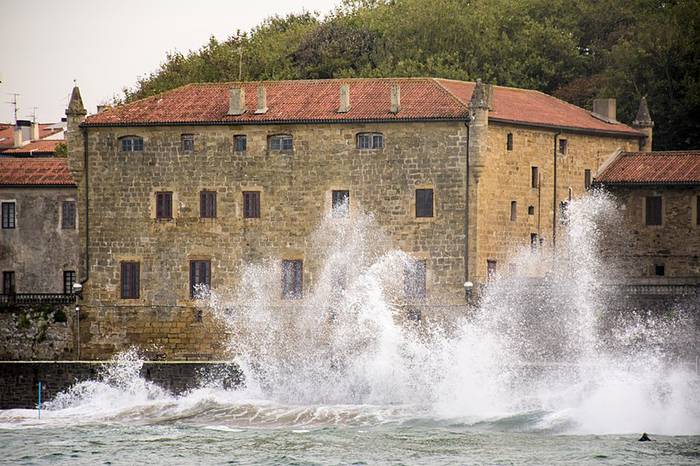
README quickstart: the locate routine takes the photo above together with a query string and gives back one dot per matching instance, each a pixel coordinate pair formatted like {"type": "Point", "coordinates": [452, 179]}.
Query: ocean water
{"type": "Point", "coordinates": [538, 373]}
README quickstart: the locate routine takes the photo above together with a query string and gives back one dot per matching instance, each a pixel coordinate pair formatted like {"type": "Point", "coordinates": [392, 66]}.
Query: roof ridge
{"type": "Point", "coordinates": [665, 152]}
{"type": "Point", "coordinates": [448, 92]}
{"type": "Point", "coordinates": [314, 80]}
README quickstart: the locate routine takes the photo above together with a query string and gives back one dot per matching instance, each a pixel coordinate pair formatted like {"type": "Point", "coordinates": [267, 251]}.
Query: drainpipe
{"type": "Point", "coordinates": [554, 207]}
{"type": "Point", "coordinates": [467, 291]}
{"type": "Point", "coordinates": [86, 174]}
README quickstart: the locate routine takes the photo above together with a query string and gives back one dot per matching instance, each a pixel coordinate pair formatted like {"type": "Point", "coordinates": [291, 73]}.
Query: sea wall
{"type": "Point", "coordinates": [19, 380]}
{"type": "Point", "coordinates": [37, 332]}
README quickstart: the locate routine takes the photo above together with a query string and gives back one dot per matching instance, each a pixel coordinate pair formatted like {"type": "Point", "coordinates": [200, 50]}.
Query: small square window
{"type": "Point", "coordinates": [509, 141]}
{"type": "Point", "coordinates": [68, 215]}
{"type": "Point", "coordinates": [207, 204]}
{"type": "Point", "coordinates": [531, 210]}
{"type": "Point", "coordinates": [534, 242]}
{"type": "Point", "coordinates": [8, 282]}
{"type": "Point", "coordinates": [68, 281]}
{"type": "Point", "coordinates": [240, 143]}
{"type": "Point", "coordinates": [491, 269]}
{"type": "Point", "coordinates": [513, 211]}
{"type": "Point", "coordinates": [251, 204]}
{"type": "Point", "coordinates": [164, 205]}
{"type": "Point", "coordinates": [282, 142]}
{"type": "Point", "coordinates": [587, 178]}
{"type": "Point", "coordinates": [130, 280]}
{"type": "Point", "coordinates": [659, 270]}
{"type": "Point", "coordinates": [187, 142]}
{"type": "Point", "coordinates": [8, 215]}
{"type": "Point", "coordinates": [424, 202]}
{"type": "Point", "coordinates": [341, 203]}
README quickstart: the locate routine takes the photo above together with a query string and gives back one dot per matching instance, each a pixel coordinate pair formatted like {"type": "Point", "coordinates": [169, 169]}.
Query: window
{"type": "Point", "coordinates": [697, 210]}
{"type": "Point", "coordinates": [563, 146]}
{"type": "Point", "coordinates": [370, 140]}
{"type": "Point", "coordinates": [659, 270]}
{"type": "Point", "coordinates": [653, 210]}
{"type": "Point", "coordinates": [130, 280]}
{"type": "Point", "coordinates": [200, 277]}
{"type": "Point", "coordinates": [513, 211]}
{"type": "Point", "coordinates": [587, 178]}
{"type": "Point", "coordinates": [187, 142]}
{"type": "Point", "coordinates": [68, 215]}
{"type": "Point", "coordinates": [509, 141]}
{"type": "Point", "coordinates": [164, 205]}
{"type": "Point", "coordinates": [531, 210]}
{"type": "Point", "coordinates": [281, 142]}
{"type": "Point", "coordinates": [490, 269]}
{"type": "Point", "coordinates": [424, 202]}
{"type": "Point", "coordinates": [341, 203]}
{"type": "Point", "coordinates": [564, 212]}
{"type": "Point", "coordinates": [534, 243]}
{"type": "Point", "coordinates": [8, 282]}
{"type": "Point", "coordinates": [132, 144]}
{"type": "Point", "coordinates": [414, 280]}
{"type": "Point", "coordinates": [207, 204]}
{"type": "Point", "coordinates": [251, 204]}
{"type": "Point", "coordinates": [292, 279]}
{"type": "Point", "coordinates": [240, 143]}
{"type": "Point", "coordinates": [8, 215]}
{"type": "Point", "coordinates": [68, 281]}
{"type": "Point", "coordinates": [534, 177]}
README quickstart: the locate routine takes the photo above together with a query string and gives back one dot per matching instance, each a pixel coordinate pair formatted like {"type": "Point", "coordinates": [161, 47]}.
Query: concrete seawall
{"type": "Point", "coordinates": [19, 379]}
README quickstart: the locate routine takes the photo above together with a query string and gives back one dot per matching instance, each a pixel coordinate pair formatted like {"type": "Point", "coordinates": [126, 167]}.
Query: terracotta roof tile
{"type": "Point", "coordinates": [38, 147]}
{"type": "Point", "coordinates": [671, 167]}
{"type": "Point", "coordinates": [318, 101]}
{"type": "Point", "coordinates": [35, 171]}
{"type": "Point", "coordinates": [7, 133]}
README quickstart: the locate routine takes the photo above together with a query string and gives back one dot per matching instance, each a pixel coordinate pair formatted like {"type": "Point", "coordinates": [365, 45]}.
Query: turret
{"type": "Point", "coordinates": [75, 114]}
{"type": "Point", "coordinates": [479, 126]}
{"type": "Point", "coordinates": [643, 123]}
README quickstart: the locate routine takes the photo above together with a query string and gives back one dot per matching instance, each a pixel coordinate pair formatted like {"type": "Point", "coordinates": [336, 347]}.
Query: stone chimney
{"type": "Point", "coordinates": [261, 100]}
{"type": "Point", "coordinates": [395, 98]}
{"type": "Point", "coordinates": [479, 127]}
{"type": "Point", "coordinates": [236, 101]}
{"type": "Point", "coordinates": [344, 99]}
{"type": "Point", "coordinates": [605, 109]}
{"type": "Point", "coordinates": [103, 107]}
{"type": "Point", "coordinates": [17, 137]}
{"type": "Point", "coordinates": [35, 131]}
{"type": "Point", "coordinates": [643, 123]}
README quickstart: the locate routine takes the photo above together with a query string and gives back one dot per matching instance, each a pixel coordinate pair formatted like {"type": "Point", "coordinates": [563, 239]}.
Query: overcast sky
{"type": "Point", "coordinates": [107, 44]}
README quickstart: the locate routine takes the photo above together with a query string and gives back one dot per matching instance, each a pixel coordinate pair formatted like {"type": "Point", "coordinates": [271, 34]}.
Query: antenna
{"type": "Point", "coordinates": [14, 102]}
{"type": "Point", "coordinates": [33, 114]}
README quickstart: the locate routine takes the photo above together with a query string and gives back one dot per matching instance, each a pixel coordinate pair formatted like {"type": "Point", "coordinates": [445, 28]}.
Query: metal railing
{"type": "Point", "coordinates": [36, 298]}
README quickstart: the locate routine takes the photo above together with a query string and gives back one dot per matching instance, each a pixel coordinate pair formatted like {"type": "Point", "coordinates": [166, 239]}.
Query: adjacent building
{"type": "Point", "coordinates": [184, 188]}
{"type": "Point", "coordinates": [39, 240]}
{"type": "Point", "coordinates": [30, 139]}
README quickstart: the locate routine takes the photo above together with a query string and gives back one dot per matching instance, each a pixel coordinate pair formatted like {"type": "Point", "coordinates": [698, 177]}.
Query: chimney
{"type": "Point", "coordinates": [35, 131]}
{"type": "Point", "coordinates": [344, 99]}
{"type": "Point", "coordinates": [17, 137]}
{"type": "Point", "coordinates": [103, 107]}
{"type": "Point", "coordinates": [262, 100]}
{"type": "Point", "coordinates": [605, 109]}
{"type": "Point", "coordinates": [395, 98]}
{"type": "Point", "coordinates": [236, 101]}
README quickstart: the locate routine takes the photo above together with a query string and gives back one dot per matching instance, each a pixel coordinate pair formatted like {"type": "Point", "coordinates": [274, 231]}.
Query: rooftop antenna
{"type": "Point", "coordinates": [15, 104]}
{"type": "Point", "coordinates": [33, 114]}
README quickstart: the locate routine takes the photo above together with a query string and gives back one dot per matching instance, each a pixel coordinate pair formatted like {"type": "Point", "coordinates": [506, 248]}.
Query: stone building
{"type": "Point", "coordinates": [39, 240]}
{"type": "Point", "coordinates": [660, 195]}
{"type": "Point", "coordinates": [185, 187]}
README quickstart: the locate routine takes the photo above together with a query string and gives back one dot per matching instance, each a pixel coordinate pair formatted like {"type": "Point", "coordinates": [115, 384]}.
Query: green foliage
{"type": "Point", "coordinates": [61, 150]}
{"type": "Point", "coordinates": [575, 49]}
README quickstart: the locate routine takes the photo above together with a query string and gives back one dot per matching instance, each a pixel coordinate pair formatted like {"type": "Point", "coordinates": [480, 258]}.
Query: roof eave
{"type": "Point", "coordinates": [632, 184]}
{"type": "Point", "coordinates": [3, 186]}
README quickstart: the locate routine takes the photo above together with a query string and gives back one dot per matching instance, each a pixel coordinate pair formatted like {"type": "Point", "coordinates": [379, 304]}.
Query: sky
{"type": "Point", "coordinates": [106, 45]}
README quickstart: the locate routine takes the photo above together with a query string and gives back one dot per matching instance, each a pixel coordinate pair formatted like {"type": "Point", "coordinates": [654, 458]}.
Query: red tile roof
{"type": "Point", "coordinates": [7, 133]}
{"type": "Point", "coordinates": [35, 147]}
{"type": "Point", "coordinates": [671, 167]}
{"type": "Point", "coordinates": [318, 101]}
{"type": "Point", "coordinates": [35, 171]}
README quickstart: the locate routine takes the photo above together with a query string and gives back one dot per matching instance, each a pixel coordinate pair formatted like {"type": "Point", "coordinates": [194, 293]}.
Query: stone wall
{"type": "Point", "coordinates": [44, 332]}
{"type": "Point", "coordinates": [295, 195]}
{"type": "Point", "coordinates": [19, 380]}
{"type": "Point", "coordinates": [38, 250]}
{"type": "Point", "coordinates": [675, 244]}
{"type": "Point", "coordinates": [506, 177]}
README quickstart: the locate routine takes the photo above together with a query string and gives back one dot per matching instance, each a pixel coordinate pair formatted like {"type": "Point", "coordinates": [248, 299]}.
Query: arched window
{"type": "Point", "coordinates": [131, 143]}
{"type": "Point", "coordinates": [370, 140]}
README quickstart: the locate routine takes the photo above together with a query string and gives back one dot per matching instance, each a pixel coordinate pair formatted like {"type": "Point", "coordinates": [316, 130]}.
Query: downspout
{"type": "Point", "coordinates": [466, 211]}
{"type": "Point", "coordinates": [554, 207]}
